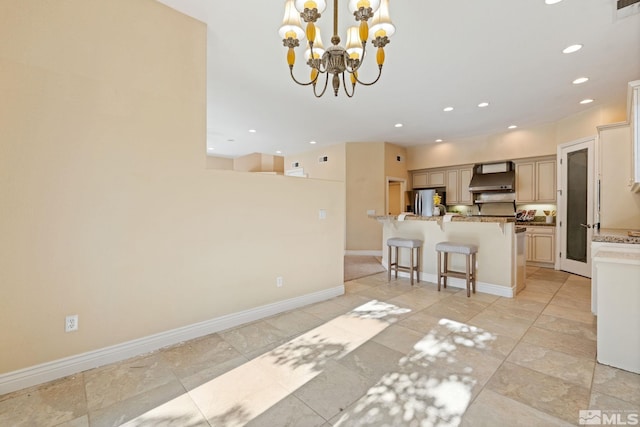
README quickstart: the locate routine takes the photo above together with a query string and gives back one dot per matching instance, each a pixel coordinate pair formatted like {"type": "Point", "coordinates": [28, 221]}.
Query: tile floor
{"type": "Point", "coordinates": [383, 354]}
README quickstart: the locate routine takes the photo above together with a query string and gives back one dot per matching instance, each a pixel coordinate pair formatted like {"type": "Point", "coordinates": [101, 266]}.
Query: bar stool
{"type": "Point", "coordinates": [414, 246]}
{"type": "Point", "coordinates": [469, 251]}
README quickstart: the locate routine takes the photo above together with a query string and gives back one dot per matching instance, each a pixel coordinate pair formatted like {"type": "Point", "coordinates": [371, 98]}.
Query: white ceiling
{"type": "Point", "coordinates": [444, 53]}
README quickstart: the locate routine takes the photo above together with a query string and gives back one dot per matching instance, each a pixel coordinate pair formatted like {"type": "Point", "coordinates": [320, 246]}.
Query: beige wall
{"type": "Point", "coordinates": [334, 169]}
{"type": "Point", "coordinates": [219, 163]}
{"type": "Point", "coordinates": [620, 208]}
{"type": "Point", "coordinates": [519, 143]}
{"type": "Point", "coordinates": [107, 209]}
{"type": "Point", "coordinates": [392, 167]}
{"type": "Point", "coordinates": [365, 191]}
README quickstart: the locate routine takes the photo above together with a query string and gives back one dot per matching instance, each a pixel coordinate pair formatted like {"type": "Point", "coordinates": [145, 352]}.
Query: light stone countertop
{"type": "Point", "coordinates": [613, 235]}
{"type": "Point", "coordinates": [454, 218]}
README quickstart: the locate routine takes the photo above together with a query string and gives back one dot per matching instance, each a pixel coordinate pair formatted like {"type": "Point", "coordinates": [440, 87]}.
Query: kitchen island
{"type": "Point", "coordinates": [501, 248]}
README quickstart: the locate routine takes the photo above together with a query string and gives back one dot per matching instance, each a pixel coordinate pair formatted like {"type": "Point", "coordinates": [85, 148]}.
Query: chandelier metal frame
{"type": "Point", "coordinates": [335, 61]}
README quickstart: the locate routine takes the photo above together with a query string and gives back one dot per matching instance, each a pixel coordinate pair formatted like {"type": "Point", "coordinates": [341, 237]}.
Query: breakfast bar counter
{"type": "Point", "coordinates": [501, 248]}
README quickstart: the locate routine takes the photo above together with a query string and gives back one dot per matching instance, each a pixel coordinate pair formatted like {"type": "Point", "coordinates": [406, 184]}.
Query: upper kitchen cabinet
{"type": "Point", "coordinates": [457, 185]}
{"type": "Point", "coordinates": [424, 179]}
{"type": "Point", "coordinates": [536, 180]}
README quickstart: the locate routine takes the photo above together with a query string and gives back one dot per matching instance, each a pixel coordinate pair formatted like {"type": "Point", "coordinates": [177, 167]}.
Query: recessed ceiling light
{"type": "Point", "coordinates": [552, 1]}
{"type": "Point", "coordinates": [572, 48]}
{"type": "Point", "coordinates": [438, 140]}
{"type": "Point", "coordinates": [512, 127]}
{"type": "Point", "coordinates": [586, 101]}
{"type": "Point", "coordinates": [580, 80]}
{"type": "Point", "coordinates": [483, 104]}
{"type": "Point", "coordinates": [278, 152]}
{"type": "Point", "coordinates": [252, 131]}
{"type": "Point", "coordinates": [448, 109]}
{"type": "Point", "coordinates": [398, 125]}
{"type": "Point", "coordinates": [312, 142]}
{"type": "Point", "coordinates": [210, 148]}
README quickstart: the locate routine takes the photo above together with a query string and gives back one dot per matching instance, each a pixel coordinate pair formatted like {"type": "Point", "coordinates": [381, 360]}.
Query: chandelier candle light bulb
{"type": "Point", "coordinates": [336, 60]}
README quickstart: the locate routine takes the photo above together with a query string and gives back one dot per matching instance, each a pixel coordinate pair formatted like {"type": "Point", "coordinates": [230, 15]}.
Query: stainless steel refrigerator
{"type": "Point", "coordinates": [423, 202]}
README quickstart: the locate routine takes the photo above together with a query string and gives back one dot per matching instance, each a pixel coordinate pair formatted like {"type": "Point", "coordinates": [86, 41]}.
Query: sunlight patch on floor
{"type": "Point", "coordinates": [247, 391]}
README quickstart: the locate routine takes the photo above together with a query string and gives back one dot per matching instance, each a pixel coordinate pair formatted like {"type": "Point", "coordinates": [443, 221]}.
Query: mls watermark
{"type": "Point", "coordinates": [608, 418]}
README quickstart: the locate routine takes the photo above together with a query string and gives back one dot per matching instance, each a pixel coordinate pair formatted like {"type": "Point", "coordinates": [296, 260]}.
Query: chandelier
{"type": "Point", "coordinates": [336, 60]}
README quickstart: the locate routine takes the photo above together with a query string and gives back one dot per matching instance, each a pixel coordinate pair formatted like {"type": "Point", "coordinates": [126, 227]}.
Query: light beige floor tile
{"type": "Point", "coordinates": [326, 310]}
{"type": "Point", "coordinates": [383, 293]}
{"type": "Point", "coordinates": [570, 314]}
{"type": "Point", "coordinates": [478, 296]}
{"type": "Point", "coordinates": [458, 309]}
{"type": "Point", "coordinates": [561, 365]}
{"type": "Point", "coordinates": [558, 341]}
{"type": "Point", "coordinates": [371, 360]}
{"type": "Point", "coordinates": [421, 322]}
{"type": "Point", "coordinates": [207, 374]}
{"type": "Point", "coordinates": [253, 336]}
{"type": "Point", "coordinates": [82, 421]}
{"type": "Point", "coordinates": [289, 412]}
{"type": "Point", "coordinates": [536, 296]}
{"type": "Point", "coordinates": [350, 301]}
{"type": "Point", "coordinates": [48, 405]}
{"type": "Point", "coordinates": [294, 322]}
{"type": "Point", "coordinates": [577, 290]}
{"type": "Point", "coordinates": [614, 382]}
{"type": "Point", "coordinates": [543, 392]}
{"type": "Point", "coordinates": [191, 357]}
{"type": "Point", "coordinates": [513, 310]}
{"type": "Point", "coordinates": [180, 411]}
{"type": "Point", "coordinates": [399, 338]}
{"type": "Point", "coordinates": [416, 301]}
{"type": "Point", "coordinates": [542, 286]}
{"type": "Point", "coordinates": [354, 287]}
{"type": "Point", "coordinates": [492, 344]}
{"type": "Point", "coordinates": [151, 401]}
{"type": "Point", "coordinates": [501, 323]}
{"type": "Point", "coordinates": [492, 409]}
{"type": "Point", "coordinates": [518, 306]}
{"type": "Point", "coordinates": [566, 326]}
{"type": "Point", "coordinates": [570, 302]}
{"type": "Point", "coordinates": [604, 402]}
{"type": "Point", "coordinates": [121, 381]}
{"type": "Point", "coordinates": [333, 390]}
{"type": "Point", "coordinates": [551, 275]}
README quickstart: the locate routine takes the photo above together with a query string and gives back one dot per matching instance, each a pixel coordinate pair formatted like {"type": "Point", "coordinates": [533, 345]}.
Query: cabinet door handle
{"type": "Point", "coordinates": [585, 225]}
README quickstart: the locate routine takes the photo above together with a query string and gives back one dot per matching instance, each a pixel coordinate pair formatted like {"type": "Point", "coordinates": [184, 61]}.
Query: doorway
{"type": "Point", "coordinates": [576, 205]}
{"type": "Point", "coordinates": [396, 188]}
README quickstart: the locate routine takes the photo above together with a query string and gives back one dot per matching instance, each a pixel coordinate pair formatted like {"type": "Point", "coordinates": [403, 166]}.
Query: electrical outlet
{"type": "Point", "coordinates": [71, 323]}
{"type": "Point", "coordinates": [322, 214]}
{"type": "Point", "coordinates": [279, 281]}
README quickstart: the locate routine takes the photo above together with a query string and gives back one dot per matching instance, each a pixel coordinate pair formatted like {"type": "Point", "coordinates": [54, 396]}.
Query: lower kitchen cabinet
{"type": "Point", "coordinates": [541, 243]}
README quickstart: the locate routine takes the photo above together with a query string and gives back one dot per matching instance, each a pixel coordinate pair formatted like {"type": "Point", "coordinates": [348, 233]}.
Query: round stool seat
{"type": "Point", "coordinates": [404, 243]}
{"type": "Point", "coordinates": [458, 248]}
{"type": "Point", "coordinates": [469, 251]}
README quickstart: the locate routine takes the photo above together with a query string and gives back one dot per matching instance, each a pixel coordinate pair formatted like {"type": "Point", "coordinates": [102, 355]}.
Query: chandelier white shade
{"type": "Point", "coordinates": [336, 60]}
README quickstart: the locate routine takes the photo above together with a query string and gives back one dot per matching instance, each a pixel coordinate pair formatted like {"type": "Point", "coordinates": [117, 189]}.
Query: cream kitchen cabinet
{"type": "Point", "coordinates": [424, 179]}
{"type": "Point", "coordinates": [536, 181]}
{"type": "Point", "coordinates": [541, 246]}
{"type": "Point", "coordinates": [458, 186]}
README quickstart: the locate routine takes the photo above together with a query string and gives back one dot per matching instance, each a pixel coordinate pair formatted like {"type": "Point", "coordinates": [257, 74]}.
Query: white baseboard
{"type": "Point", "coordinates": [364, 253]}
{"type": "Point", "coordinates": [53, 370]}
{"type": "Point", "coordinates": [454, 282]}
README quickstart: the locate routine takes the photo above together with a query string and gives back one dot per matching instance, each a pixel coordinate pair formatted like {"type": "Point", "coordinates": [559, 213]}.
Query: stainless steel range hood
{"type": "Point", "coordinates": [493, 178]}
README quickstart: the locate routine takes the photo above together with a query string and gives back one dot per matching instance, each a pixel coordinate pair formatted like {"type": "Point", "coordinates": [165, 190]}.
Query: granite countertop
{"type": "Point", "coordinates": [454, 218]}
{"type": "Point", "coordinates": [536, 223]}
{"type": "Point", "coordinates": [614, 235]}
